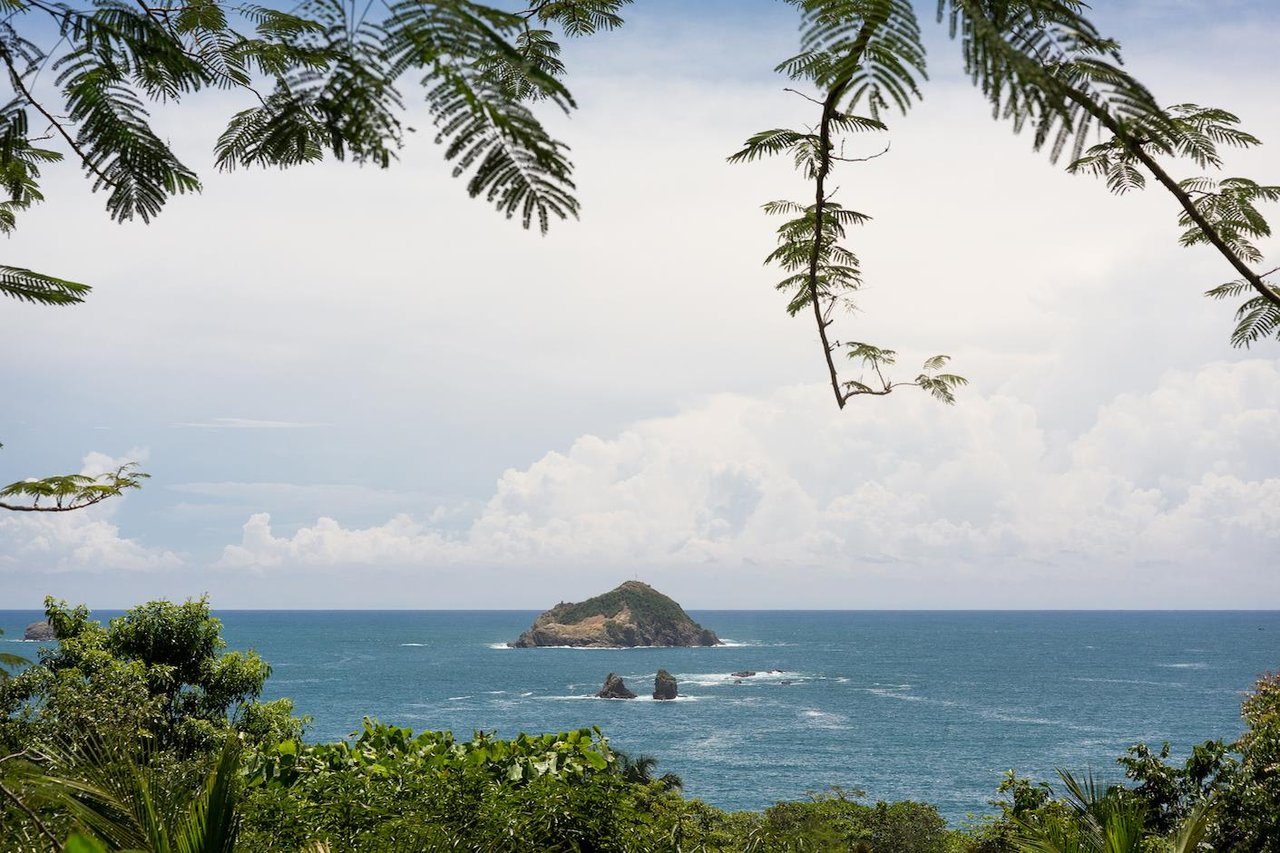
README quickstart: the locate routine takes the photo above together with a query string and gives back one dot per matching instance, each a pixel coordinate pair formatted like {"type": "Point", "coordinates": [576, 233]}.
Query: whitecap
{"type": "Point", "coordinates": [415, 645]}
{"type": "Point", "coordinates": [823, 719]}
{"type": "Point", "coordinates": [1192, 665]}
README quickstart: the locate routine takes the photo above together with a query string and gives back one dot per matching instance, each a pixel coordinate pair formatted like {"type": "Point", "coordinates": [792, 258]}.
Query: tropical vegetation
{"type": "Point", "coordinates": [145, 734]}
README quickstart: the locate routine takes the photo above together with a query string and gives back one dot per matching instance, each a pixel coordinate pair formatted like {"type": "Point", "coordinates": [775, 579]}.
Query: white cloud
{"type": "Point", "coordinates": [1183, 477]}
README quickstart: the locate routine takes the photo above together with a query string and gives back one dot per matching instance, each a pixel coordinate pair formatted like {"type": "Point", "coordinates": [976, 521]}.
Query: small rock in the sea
{"type": "Point", "coordinates": [39, 631]}
{"type": "Point", "coordinates": [785, 681]}
{"type": "Point", "coordinates": [615, 688]}
{"type": "Point", "coordinates": [664, 685]}
{"type": "Point", "coordinates": [746, 673]}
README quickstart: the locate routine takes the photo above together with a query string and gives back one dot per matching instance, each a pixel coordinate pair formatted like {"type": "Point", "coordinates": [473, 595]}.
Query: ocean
{"type": "Point", "coordinates": [931, 706]}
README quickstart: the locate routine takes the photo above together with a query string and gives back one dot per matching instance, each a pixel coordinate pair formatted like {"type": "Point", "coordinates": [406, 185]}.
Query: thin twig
{"type": "Point", "coordinates": [807, 97]}
{"type": "Point", "coordinates": [861, 159]}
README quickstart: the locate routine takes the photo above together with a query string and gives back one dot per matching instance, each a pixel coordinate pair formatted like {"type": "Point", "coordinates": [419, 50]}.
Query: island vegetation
{"type": "Point", "coordinates": [145, 734]}
{"type": "Point", "coordinates": [633, 614]}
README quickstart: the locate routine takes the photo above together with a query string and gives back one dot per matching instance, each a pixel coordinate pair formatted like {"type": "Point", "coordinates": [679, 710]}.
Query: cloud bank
{"type": "Point", "coordinates": [1180, 485]}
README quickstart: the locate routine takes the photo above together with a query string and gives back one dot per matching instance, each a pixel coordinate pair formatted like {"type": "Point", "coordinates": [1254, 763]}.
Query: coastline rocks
{"type": "Point", "coordinates": [664, 685]}
{"type": "Point", "coordinates": [39, 631]}
{"type": "Point", "coordinates": [746, 673]}
{"type": "Point", "coordinates": [634, 614]}
{"type": "Point", "coordinates": [615, 688]}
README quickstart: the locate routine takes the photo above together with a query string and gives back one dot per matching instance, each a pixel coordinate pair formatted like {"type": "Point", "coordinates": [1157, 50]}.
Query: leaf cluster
{"type": "Point", "coordinates": [71, 491]}
{"type": "Point", "coordinates": [327, 78]}
{"type": "Point", "coordinates": [157, 672]}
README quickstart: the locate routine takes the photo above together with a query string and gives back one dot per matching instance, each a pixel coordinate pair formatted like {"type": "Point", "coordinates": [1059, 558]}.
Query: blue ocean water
{"type": "Point", "coordinates": [931, 706]}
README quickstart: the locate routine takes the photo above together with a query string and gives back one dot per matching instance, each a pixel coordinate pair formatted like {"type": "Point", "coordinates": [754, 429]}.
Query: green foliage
{"type": "Point", "coordinates": [535, 792]}
{"type": "Point", "coordinates": [333, 71]}
{"type": "Point", "coordinates": [646, 604]}
{"type": "Point", "coordinates": [29, 286]}
{"type": "Point", "coordinates": [1257, 317]}
{"type": "Point", "coordinates": [118, 799]}
{"type": "Point", "coordinates": [858, 54]}
{"type": "Point", "coordinates": [71, 491]}
{"type": "Point", "coordinates": [940, 385]}
{"type": "Point", "coordinates": [158, 673]}
{"type": "Point", "coordinates": [1219, 798]}
{"type": "Point", "coordinates": [1044, 66]}
{"type": "Point", "coordinates": [1247, 814]}
{"type": "Point", "coordinates": [10, 662]}
{"type": "Point", "coordinates": [835, 821]}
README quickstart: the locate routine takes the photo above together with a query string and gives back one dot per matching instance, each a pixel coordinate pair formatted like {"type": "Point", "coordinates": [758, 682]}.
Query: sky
{"type": "Point", "coordinates": [358, 388]}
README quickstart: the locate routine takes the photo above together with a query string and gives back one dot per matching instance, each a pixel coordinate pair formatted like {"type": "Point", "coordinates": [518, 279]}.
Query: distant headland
{"type": "Point", "coordinates": [634, 614]}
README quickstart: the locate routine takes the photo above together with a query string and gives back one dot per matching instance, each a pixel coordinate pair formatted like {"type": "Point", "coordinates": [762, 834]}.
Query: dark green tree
{"type": "Point", "coordinates": [157, 673]}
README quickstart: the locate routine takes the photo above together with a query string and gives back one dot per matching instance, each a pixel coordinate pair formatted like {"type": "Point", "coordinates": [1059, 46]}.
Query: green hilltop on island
{"type": "Point", "coordinates": [634, 614]}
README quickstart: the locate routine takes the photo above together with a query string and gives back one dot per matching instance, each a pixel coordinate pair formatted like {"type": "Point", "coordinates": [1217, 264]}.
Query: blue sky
{"type": "Point", "coordinates": [359, 388]}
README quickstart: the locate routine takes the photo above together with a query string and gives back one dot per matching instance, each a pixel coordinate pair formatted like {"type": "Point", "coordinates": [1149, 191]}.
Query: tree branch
{"type": "Point", "coordinates": [57, 508]}
{"type": "Point", "coordinates": [16, 79]}
{"type": "Point", "coordinates": [824, 168]}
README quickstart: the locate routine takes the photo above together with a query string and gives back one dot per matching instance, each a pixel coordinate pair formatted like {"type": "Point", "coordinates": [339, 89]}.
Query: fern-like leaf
{"type": "Point", "coordinates": [68, 492]}
{"type": "Point", "coordinates": [28, 286]}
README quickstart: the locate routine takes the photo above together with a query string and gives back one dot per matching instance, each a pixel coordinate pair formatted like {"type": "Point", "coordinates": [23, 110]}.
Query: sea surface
{"type": "Point", "coordinates": [932, 706]}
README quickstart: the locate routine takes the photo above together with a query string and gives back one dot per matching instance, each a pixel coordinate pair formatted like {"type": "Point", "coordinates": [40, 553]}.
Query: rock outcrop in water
{"type": "Point", "coordinates": [664, 685]}
{"type": "Point", "coordinates": [39, 631]}
{"type": "Point", "coordinates": [615, 688]}
{"type": "Point", "coordinates": [634, 614]}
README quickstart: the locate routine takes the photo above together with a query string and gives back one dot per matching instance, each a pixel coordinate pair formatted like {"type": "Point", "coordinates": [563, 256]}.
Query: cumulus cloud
{"type": "Point", "coordinates": [84, 540]}
{"type": "Point", "coordinates": [1183, 477]}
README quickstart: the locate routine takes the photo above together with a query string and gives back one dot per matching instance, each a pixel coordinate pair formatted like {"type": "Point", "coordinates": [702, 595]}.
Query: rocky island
{"type": "Point", "coordinates": [634, 614]}
{"type": "Point", "coordinates": [41, 631]}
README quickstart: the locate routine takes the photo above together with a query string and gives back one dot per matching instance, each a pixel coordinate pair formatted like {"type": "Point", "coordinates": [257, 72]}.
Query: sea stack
{"type": "Point", "coordinates": [664, 685]}
{"type": "Point", "coordinates": [615, 688]}
{"type": "Point", "coordinates": [634, 614]}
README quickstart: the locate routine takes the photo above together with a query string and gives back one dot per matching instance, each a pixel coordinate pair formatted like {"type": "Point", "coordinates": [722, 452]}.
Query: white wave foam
{"type": "Point", "coordinates": [457, 698]}
{"type": "Point", "coordinates": [415, 645]}
{"type": "Point", "coordinates": [637, 700]}
{"type": "Point", "coordinates": [1004, 716]}
{"type": "Point", "coordinates": [723, 679]}
{"type": "Point", "coordinates": [891, 693]}
{"type": "Point", "coordinates": [1130, 681]}
{"type": "Point", "coordinates": [824, 719]}
{"type": "Point", "coordinates": [1192, 665]}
